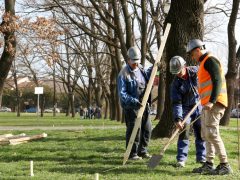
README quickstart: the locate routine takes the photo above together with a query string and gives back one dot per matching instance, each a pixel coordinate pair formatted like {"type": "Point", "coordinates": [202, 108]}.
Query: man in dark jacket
{"type": "Point", "coordinates": [132, 82]}
{"type": "Point", "coordinates": [184, 96]}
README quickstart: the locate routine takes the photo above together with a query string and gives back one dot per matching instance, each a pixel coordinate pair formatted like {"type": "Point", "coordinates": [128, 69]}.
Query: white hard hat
{"type": "Point", "coordinates": [176, 64]}
{"type": "Point", "coordinates": [134, 55]}
{"type": "Point", "coordinates": [194, 43]}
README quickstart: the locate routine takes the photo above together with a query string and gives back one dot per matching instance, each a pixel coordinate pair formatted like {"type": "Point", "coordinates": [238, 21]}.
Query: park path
{"type": "Point", "coordinates": [73, 128]}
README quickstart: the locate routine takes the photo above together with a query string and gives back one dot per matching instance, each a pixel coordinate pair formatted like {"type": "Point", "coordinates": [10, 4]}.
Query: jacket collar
{"type": "Point", "coordinates": [131, 70]}
{"type": "Point", "coordinates": [203, 56]}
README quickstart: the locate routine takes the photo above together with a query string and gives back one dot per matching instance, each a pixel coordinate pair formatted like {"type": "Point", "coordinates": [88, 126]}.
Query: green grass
{"type": "Point", "coordinates": [81, 154]}
{"type": "Point", "coordinates": [31, 119]}
{"type": "Point", "coordinates": [233, 122]}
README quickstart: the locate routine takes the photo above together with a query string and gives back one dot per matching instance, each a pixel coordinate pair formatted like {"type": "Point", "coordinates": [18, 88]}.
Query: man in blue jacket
{"type": "Point", "coordinates": [132, 82]}
{"type": "Point", "coordinates": [184, 95]}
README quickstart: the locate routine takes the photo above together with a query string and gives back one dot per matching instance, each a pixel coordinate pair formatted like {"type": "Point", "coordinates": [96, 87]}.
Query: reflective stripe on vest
{"type": "Point", "coordinates": [205, 85]}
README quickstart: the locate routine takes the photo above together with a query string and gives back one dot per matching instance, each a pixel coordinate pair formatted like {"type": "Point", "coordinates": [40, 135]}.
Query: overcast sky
{"type": "Point", "coordinates": [219, 36]}
{"type": "Point", "coordinates": [217, 40]}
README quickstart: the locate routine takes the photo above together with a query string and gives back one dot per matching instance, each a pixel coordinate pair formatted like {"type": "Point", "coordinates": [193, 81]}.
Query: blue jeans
{"type": "Point", "coordinates": [183, 142]}
{"type": "Point", "coordinates": [144, 133]}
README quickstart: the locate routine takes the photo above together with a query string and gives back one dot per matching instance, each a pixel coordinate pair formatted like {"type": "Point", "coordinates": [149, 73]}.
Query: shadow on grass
{"type": "Point", "coordinates": [104, 138]}
{"type": "Point", "coordinates": [132, 168]}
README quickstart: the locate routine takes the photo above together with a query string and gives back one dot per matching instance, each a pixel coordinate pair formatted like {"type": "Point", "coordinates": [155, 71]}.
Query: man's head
{"type": "Point", "coordinates": [177, 66]}
{"type": "Point", "coordinates": [195, 49]}
{"type": "Point", "coordinates": [134, 57]}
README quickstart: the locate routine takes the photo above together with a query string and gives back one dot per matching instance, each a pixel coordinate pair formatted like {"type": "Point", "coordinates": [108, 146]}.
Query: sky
{"type": "Point", "coordinates": [217, 40]}
{"type": "Point", "coordinates": [219, 37]}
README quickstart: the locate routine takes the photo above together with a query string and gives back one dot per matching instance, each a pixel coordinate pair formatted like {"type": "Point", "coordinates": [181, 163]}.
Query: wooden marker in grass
{"type": "Point", "coordinates": [31, 168]}
{"type": "Point", "coordinates": [96, 176]}
{"type": "Point", "coordinates": [146, 95]}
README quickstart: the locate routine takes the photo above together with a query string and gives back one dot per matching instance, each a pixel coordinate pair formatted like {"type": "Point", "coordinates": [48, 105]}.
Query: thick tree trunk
{"type": "Point", "coordinates": [186, 17]}
{"type": "Point", "coordinates": [232, 68]}
{"type": "Point", "coordinates": [9, 45]}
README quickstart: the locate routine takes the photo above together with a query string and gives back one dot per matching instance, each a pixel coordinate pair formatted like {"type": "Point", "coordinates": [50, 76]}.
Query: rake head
{"type": "Point", "coordinates": [154, 161]}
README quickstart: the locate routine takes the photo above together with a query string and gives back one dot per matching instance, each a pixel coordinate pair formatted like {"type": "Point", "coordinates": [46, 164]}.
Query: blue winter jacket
{"type": "Point", "coordinates": [184, 94]}
{"type": "Point", "coordinates": [127, 86]}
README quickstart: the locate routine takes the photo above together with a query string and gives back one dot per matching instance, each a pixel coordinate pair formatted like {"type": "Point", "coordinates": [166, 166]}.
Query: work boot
{"type": "Point", "coordinates": [180, 164]}
{"type": "Point", "coordinates": [222, 169]}
{"type": "Point", "coordinates": [145, 155]}
{"type": "Point", "coordinates": [206, 168]}
{"type": "Point", "coordinates": [201, 161]}
{"type": "Point", "coordinates": [135, 157]}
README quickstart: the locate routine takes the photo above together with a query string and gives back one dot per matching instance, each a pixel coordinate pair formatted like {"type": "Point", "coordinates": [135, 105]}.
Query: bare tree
{"type": "Point", "coordinates": [7, 28]}
{"type": "Point", "coordinates": [232, 62]}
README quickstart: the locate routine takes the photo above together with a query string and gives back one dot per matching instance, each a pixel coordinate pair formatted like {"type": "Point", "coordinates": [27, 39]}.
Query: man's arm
{"type": "Point", "coordinates": [213, 67]}
{"type": "Point", "coordinates": [176, 99]}
{"type": "Point", "coordinates": [123, 94]}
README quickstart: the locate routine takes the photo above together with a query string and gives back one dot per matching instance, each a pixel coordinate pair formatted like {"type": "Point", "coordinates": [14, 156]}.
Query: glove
{"type": "Point", "coordinates": [179, 124]}
{"type": "Point", "coordinates": [139, 105]}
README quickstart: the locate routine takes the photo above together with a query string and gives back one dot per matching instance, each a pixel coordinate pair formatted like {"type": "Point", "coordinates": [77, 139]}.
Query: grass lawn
{"type": "Point", "coordinates": [31, 119]}
{"type": "Point", "coordinates": [80, 154]}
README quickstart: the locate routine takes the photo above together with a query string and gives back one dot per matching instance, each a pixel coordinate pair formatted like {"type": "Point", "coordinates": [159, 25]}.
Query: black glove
{"type": "Point", "coordinates": [139, 105]}
{"type": "Point", "coordinates": [178, 119]}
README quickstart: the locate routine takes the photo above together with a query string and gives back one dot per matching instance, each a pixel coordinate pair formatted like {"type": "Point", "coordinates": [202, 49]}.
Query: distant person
{"type": "Point", "coordinates": [98, 113]}
{"type": "Point", "coordinates": [90, 112]}
{"type": "Point", "coordinates": [85, 113]}
{"type": "Point", "coordinates": [81, 112]}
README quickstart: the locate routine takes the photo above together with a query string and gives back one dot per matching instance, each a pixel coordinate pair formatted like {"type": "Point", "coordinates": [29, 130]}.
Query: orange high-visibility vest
{"type": "Point", "coordinates": [205, 85]}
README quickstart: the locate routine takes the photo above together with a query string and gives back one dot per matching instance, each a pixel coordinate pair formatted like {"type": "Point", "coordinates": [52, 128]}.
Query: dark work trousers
{"type": "Point", "coordinates": [144, 133]}
{"type": "Point", "coordinates": [183, 142]}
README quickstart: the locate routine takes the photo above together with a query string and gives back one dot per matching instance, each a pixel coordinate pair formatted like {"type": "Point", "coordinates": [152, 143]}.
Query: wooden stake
{"type": "Point", "coordinates": [146, 95]}
{"type": "Point", "coordinates": [96, 176]}
{"type": "Point", "coordinates": [31, 168]}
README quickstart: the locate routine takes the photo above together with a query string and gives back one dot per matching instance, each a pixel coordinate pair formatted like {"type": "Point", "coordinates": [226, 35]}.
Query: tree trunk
{"type": "Point", "coordinates": [9, 45]}
{"type": "Point", "coordinates": [143, 31]}
{"type": "Point", "coordinates": [186, 17]}
{"type": "Point", "coordinates": [90, 85]}
{"type": "Point", "coordinates": [106, 108]}
{"type": "Point", "coordinates": [113, 105]}
{"type": "Point", "coordinates": [232, 68]}
{"type": "Point", "coordinates": [161, 95]}
{"type": "Point", "coordinates": [54, 89]}
{"type": "Point", "coordinates": [16, 93]}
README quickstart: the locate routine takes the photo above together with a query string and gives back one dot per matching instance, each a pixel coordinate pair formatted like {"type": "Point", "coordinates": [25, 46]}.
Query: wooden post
{"type": "Point", "coordinates": [31, 168]}
{"type": "Point", "coordinates": [96, 176]}
{"type": "Point", "coordinates": [146, 95]}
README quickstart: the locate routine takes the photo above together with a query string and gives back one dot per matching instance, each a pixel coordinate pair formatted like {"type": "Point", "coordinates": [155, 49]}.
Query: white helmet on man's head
{"type": "Point", "coordinates": [195, 43]}
{"type": "Point", "coordinates": [134, 55]}
{"type": "Point", "coordinates": [176, 64]}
